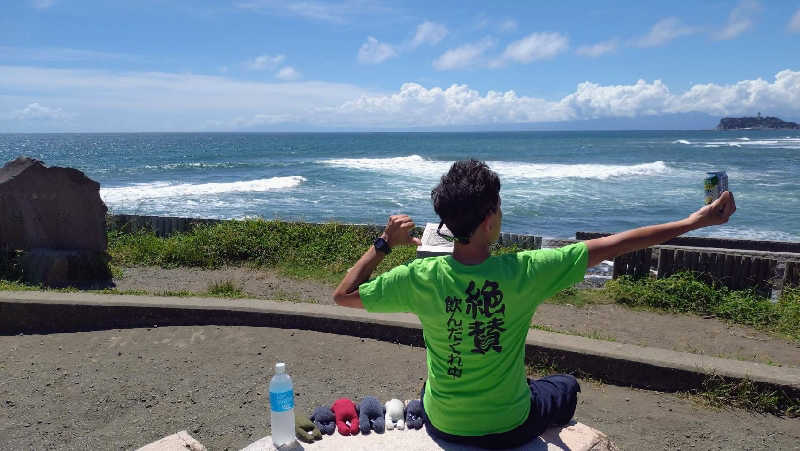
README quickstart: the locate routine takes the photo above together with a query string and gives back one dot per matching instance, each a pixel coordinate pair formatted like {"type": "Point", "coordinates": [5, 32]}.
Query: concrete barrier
{"type": "Point", "coordinates": [618, 363]}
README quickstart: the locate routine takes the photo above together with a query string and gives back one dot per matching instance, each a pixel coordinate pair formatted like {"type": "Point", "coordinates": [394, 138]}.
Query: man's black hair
{"type": "Point", "coordinates": [465, 195]}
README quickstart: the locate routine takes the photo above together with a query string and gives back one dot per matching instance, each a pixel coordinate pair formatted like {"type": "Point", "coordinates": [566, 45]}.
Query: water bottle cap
{"type": "Point", "coordinates": [280, 368]}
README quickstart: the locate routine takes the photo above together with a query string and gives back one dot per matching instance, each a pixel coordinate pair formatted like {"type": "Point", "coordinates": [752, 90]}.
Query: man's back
{"type": "Point", "coordinates": [475, 319]}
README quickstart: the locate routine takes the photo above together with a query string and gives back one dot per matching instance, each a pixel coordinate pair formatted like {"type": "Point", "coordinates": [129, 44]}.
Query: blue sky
{"type": "Point", "coordinates": [372, 65]}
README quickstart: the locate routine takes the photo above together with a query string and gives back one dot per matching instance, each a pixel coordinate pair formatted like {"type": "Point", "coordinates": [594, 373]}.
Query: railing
{"type": "Point", "coordinates": [767, 266]}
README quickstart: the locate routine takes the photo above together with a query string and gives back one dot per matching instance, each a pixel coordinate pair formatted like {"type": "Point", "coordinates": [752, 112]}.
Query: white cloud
{"type": "Point", "coordinates": [428, 33]}
{"type": "Point", "coordinates": [263, 62]}
{"type": "Point", "coordinates": [739, 20]}
{"type": "Point", "coordinates": [507, 25]}
{"type": "Point", "coordinates": [794, 23]}
{"type": "Point", "coordinates": [414, 105]}
{"type": "Point", "coordinates": [38, 112]}
{"type": "Point", "coordinates": [534, 47]}
{"type": "Point", "coordinates": [43, 4]}
{"type": "Point", "coordinates": [288, 73]}
{"type": "Point", "coordinates": [465, 56]}
{"type": "Point", "coordinates": [664, 31]}
{"type": "Point", "coordinates": [155, 101]}
{"type": "Point", "coordinates": [374, 52]}
{"type": "Point", "coordinates": [599, 49]}
{"type": "Point", "coordinates": [335, 12]}
{"type": "Point", "coordinates": [60, 54]}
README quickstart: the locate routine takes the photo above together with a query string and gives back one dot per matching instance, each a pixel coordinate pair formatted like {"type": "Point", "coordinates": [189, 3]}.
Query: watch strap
{"type": "Point", "coordinates": [382, 246]}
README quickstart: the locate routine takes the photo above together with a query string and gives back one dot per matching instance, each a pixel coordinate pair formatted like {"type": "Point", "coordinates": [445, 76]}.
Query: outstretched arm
{"type": "Point", "coordinates": [612, 246]}
{"type": "Point", "coordinates": [396, 234]}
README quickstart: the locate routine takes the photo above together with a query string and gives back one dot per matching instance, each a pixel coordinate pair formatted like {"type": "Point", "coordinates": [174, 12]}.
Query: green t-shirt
{"type": "Point", "coordinates": [475, 319]}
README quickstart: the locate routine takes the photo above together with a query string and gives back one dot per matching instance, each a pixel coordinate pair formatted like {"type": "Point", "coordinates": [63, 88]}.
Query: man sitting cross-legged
{"type": "Point", "coordinates": [476, 309]}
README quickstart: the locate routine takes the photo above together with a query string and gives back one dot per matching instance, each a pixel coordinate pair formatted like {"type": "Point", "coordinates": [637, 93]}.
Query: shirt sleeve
{"type": "Point", "coordinates": [552, 270]}
{"type": "Point", "coordinates": [389, 292]}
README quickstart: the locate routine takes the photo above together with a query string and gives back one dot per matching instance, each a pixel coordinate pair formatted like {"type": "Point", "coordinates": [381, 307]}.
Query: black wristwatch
{"type": "Point", "coordinates": [382, 246]}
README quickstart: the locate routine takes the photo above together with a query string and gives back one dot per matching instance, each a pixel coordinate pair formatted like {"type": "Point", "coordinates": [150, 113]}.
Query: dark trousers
{"type": "Point", "coordinates": [553, 401]}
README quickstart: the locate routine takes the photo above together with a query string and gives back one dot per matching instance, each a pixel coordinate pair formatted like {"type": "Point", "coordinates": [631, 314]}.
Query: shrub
{"type": "Point", "coordinates": [684, 292]}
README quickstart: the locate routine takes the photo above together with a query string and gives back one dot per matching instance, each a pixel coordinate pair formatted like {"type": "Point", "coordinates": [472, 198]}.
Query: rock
{"type": "Point", "coordinates": [52, 208]}
{"type": "Point", "coordinates": [56, 218]}
{"type": "Point", "coordinates": [758, 122]}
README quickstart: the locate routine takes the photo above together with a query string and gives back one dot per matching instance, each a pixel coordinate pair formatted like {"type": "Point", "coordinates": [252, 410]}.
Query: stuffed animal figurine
{"type": "Point", "coordinates": [414, 414]}
{"type": "Point", "coordinates": [395, 413]}
{"type": "Point", "coordinates": [304, 429]}
{"type": "Point", "coordinates": [370, 415]}
{"type": "Point", "coordinates": [324, 419]}
{"type": "Point", "coordinates": [346, 416]}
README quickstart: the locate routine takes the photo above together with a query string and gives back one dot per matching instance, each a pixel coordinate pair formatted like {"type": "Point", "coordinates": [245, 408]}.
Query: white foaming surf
{"type": "Point", "coordinates": [681, 141]}
{"type": "Point", "coordinates": [164, 189]}
{"type": "Point", "coordinates": [777, 143]}
{"type": "Point", "coordinates": [418, 166]}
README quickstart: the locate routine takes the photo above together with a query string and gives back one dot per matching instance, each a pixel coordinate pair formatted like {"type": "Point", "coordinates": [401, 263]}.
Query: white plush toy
{"type": "Point", "coordinates": [395, 414]}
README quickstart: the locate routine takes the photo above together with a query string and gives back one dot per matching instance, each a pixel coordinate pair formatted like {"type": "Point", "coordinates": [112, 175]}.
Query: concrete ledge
{"type": "Point", "coordinates": [180, 441]}
{"type": "Point", "coordinates": [39, 312]}
{"type": "Point", "coordinates": [573, 437]}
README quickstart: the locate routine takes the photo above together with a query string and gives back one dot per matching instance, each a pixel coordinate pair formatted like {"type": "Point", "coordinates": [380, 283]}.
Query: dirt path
{"type": "Point", "coordinates": [687, 333]}
{"type": "Point", "coordinates": [120, 389]}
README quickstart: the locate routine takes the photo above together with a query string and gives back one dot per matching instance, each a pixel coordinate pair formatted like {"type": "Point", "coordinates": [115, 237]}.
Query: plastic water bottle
{"type": "Point", "coordinates": [281, 406]}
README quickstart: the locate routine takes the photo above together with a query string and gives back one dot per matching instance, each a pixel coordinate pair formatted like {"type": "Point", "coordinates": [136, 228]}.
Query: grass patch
{"type": "Point", "coordinates": [225, 289]}
{"type": "Point", "coordinates": [714, 391]}
{"type": "Point", "coordinates": [580, 297]}
{"type": "Point", "coordinates": [10, 285]}
{"type": "Point", "coordinates": [593, 334]}
{"type": "Point", "coordinates": [319, 251]}
{"type": "Point", "coordinates": [720, 392]}
{"type": "Point", "coordinates": [686, 293]}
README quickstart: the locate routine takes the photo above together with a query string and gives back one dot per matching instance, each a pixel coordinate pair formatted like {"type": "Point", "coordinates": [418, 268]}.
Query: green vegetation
{"type": "Point", "coordinates": [593, 334]}
{"type": "Point", "coordinates": [715, 391]}
{"type": "Point", "coordinates": [324, 252]}
{"type": "Point", "coordinates": [721, 392]}
{"type": "Point", "coordinates": [685, 293]}
{"type": "Point", "coordinates": [318, 251]}
{"type": "Point", "coordinates": [12, 285]}
{"type": "Point", "coordinates": [225, 289]}
{"type": "Point", "coordinates": [580, 297]}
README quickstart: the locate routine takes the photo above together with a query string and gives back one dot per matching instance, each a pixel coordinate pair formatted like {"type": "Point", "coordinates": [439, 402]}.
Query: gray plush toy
{"type": "Point", "coordinates": [370, 415]}
{"type": "Point", "coordinates": [325, 420]}
{"type": "Point", "coordinates": [414, 414]}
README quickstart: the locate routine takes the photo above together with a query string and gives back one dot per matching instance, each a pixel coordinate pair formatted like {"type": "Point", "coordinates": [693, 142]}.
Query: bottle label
{"type": "Point", "coordinates": [281, 402]}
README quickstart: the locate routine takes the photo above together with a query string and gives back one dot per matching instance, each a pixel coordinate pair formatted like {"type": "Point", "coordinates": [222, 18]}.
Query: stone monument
{"type": "Point", "coordinates": [54, 219]}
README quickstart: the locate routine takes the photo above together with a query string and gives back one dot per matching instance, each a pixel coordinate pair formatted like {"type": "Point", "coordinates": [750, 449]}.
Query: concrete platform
{"type": "Point", "coordinates": [180, 441]}
{"type": "Point", "coordinates": [575, 437]}
{"type": "Point", "coordinates": [625, 364]}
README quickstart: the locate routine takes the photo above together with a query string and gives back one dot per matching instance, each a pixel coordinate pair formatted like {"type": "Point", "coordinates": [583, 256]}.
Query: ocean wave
{"type": "Point", "coordinates": [171, 166]}
{"type": "Point", "coordinates": [681, 141]}
{"type": "Point", "coordinates": [780, 143]}
{"type": "Point", "coordinates": [420, 167]}
{"type": "Point", "coordinates": [164, 189]}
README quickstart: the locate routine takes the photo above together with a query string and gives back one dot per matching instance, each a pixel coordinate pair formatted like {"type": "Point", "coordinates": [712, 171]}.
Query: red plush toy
{"type": "Point", "coordinates": [345, 412]}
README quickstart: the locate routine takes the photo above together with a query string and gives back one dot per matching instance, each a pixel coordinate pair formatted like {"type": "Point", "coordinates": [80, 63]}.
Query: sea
{"type": "Point", "coordinates": [553, 183]}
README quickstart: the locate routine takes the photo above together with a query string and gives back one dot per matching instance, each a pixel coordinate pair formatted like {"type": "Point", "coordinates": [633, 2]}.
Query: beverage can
{"type": "Point", "coordinates": [715, 184]}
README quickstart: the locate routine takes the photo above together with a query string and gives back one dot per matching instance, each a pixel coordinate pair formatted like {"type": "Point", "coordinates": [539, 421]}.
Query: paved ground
{"type": "Point", "coordinates": [686, 333]}
{"type": "Point", "coordinates": [125, 388]}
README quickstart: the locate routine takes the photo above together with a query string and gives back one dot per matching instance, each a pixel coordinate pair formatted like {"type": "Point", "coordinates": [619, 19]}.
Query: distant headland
{"type": "Point", "coordinates": [758, 122]}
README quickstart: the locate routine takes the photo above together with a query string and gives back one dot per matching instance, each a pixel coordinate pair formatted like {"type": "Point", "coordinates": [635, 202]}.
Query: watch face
{"type": "Point", "coordinates": [382, 245]}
